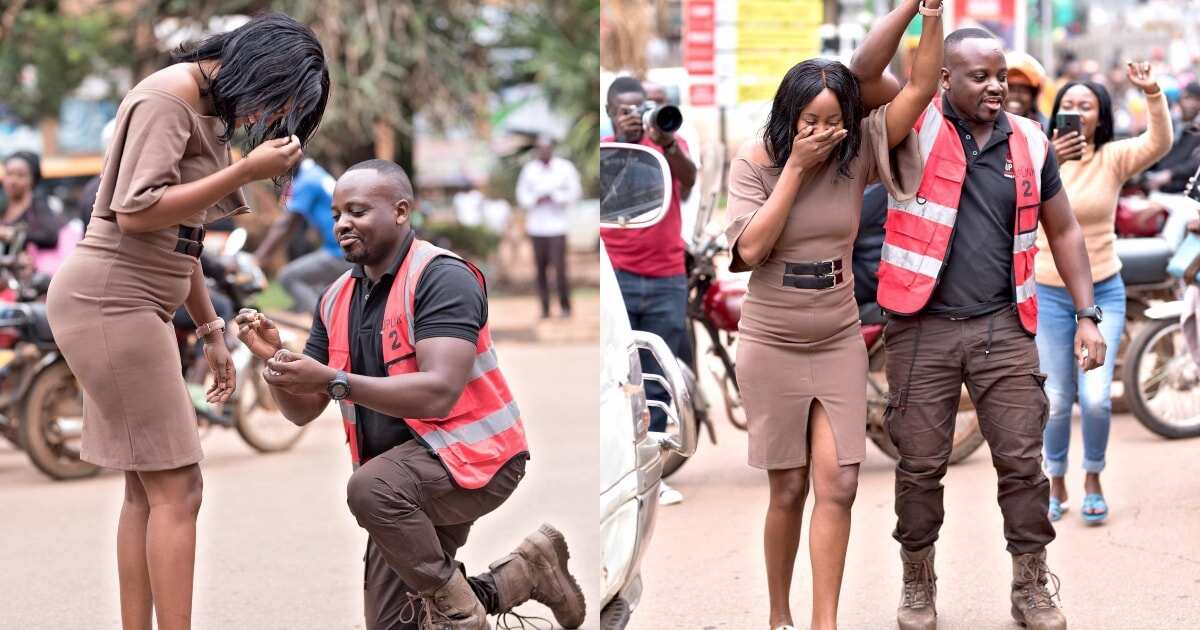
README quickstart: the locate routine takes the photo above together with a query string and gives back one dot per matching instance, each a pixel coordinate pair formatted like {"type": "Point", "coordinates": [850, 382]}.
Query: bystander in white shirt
{"type": "Point", "coordinates": [546, 190]}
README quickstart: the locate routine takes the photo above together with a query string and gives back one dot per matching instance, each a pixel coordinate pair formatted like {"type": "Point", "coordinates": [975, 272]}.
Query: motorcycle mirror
{"type": "Point", "coordinates": [635, 186]}
{"type": "Point", "coordinates": [235, 242]}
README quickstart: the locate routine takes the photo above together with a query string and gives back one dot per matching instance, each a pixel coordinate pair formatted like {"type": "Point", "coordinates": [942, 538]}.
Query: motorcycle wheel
{"type": "Point", "coordinates": [1162, 381]}
{"type": "Point", "coordinates": [53, 399]}
{"type": "Point", "coordinates": [258, 419]}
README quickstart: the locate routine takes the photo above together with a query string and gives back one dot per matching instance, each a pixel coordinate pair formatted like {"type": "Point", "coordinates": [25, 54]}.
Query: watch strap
{"type": "Point", "coordinates": [927, 11]}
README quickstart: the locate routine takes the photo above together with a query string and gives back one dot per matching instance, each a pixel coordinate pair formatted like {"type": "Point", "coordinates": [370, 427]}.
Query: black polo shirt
{"type": "Point", "coordinates": [449, 302]}
{"type": "Point", "coordinates": [977, 277]}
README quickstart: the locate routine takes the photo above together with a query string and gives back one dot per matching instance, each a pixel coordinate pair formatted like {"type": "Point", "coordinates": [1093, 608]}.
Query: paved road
{"type": "Point", "coordinates": [1141, 571]}
{"type": "Point", "coordinates": [278, 548]}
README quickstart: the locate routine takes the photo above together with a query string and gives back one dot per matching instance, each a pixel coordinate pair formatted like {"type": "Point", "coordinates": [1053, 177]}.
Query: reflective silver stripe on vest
{"type": "Point", "coordinates": [347, 409]}
{"type": "Point", "coordinates": [935, 212]}
{"type": "Point", "coordinates": [930, 127]}
{"type": "Point", "coordinates": [331, 296]}
{"type": "Point", "coordinates": [484, 363]}
{"type": "Point", "coordinates": [1027, 290]}
{"type": "Point", "coordinates": [482, 429]}
{"type": "Point", "coordinates": [911, 261]}
{"type": "Point", "coordinates": [1024, 242]}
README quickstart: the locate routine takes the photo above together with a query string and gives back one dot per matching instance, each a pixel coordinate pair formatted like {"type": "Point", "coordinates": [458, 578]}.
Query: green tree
{"type": "Point", "coordinates": [566, 64]}
{"type": "Point", "coordinates": [44, 56]}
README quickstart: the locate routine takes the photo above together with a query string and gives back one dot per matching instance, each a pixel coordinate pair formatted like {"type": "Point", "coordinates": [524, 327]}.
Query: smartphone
{"type": "Point", "coordinates": [1066, 123]}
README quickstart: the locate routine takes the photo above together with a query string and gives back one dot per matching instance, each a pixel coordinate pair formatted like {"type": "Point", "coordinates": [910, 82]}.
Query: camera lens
{"type": "Point", "coordinates": [668, 118]}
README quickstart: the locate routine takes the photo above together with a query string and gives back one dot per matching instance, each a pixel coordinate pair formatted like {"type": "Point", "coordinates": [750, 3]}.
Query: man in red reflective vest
{"type": "Point", "coordinates": [956, 273]}
{"type": "Point", "coordinates": [401, 342]}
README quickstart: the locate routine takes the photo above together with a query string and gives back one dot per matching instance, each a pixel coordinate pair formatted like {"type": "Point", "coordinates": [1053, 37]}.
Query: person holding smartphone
{"type": "Point", "coordinates": [1093, 169]}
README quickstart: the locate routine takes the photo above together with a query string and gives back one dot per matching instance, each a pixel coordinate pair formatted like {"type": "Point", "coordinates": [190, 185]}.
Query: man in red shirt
{"type": "Point", "coordinates": [650, 262]}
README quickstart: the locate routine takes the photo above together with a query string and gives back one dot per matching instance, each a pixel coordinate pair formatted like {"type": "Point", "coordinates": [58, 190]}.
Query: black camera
{"type": "Point", "coordinates": [666, 118]}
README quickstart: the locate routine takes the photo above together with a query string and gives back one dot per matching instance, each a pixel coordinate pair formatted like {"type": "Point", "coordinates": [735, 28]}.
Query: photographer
{"type": "Point", "coordinates": [650, 262]}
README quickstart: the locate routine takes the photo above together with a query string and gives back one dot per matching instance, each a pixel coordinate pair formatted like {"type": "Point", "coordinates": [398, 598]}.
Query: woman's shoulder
{"type": "Point", "coordinates": [170, 87]}
{"type": "Point", "coordinates": [754, 152]}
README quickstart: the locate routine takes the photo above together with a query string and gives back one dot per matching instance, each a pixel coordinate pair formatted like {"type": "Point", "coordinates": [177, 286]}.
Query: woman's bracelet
{"type": "Point", "coordinates": [211, 327]}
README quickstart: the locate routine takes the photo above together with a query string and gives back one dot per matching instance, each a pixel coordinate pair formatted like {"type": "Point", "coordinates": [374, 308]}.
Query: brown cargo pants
{"type": "Point", "coordinates": [928, 360]}
{"type": "Point", "coordinates": [418, 518]}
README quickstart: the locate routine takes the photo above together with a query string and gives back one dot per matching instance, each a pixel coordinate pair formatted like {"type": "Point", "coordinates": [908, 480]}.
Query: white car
{"type": "Point", "coordinates": [635, 193]}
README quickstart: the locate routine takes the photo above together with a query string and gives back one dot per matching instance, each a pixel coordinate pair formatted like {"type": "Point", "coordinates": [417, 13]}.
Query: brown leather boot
{"type": "Point", "coordinates": [454, 607]}
{"type": "Point", "coordinates": [537, 570]}
{"type": "Point", "coordinates": [1032, 602]}
{"type": "Point", "coordinates": [918, 607]}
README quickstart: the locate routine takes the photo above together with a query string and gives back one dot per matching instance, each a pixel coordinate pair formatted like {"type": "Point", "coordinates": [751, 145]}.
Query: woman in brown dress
{"type": "Point", "coordinates": [166, 174]}
{"type": "Point", "coordinates": [795, 196]}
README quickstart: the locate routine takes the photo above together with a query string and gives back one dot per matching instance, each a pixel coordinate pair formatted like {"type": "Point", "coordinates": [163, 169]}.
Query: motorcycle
{"type": "Point", "coordinates": [41, 405]}
{"type": "Point", "coordinates": [1159, 375]}
{"type": "Point", "coordinates": [251, 411]}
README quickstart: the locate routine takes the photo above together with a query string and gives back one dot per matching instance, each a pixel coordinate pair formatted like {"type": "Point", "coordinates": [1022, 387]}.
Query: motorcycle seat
{"type": "Point", "coordinates": [1143, 260]}
{"type": "Point", "coordinates": [869, 313]}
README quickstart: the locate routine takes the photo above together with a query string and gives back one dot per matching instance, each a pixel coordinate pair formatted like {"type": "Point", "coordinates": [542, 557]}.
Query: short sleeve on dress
{"type": "Point", "coordinates": [899, 169]}
{"type": "Point", "coordinates": [152, 137]}
{"type": "Point", "coordinates": [747, 193]}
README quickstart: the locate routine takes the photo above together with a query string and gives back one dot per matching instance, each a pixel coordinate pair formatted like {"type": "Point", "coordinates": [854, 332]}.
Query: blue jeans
{"type": "Point", "coordinates": [1065, 381]}
{"type": "Point", "coordinates": [659, 306]}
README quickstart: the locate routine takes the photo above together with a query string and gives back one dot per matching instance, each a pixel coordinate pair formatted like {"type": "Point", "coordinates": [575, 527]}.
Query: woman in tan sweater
{"type": "Point", "coordinates": [1093, 169]}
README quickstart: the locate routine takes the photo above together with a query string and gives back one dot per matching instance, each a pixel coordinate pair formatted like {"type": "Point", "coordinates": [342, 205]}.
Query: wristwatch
{"type": "Point", "coordinates": [1092, 312]}
{"type": "Point", "coordinates": [929, 12]}
{"type": "Point", "coordinates": [339, 387]}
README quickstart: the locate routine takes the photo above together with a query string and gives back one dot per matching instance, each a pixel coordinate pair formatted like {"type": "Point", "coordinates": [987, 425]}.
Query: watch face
{"type": "Point", "coordinates": [338, 390]}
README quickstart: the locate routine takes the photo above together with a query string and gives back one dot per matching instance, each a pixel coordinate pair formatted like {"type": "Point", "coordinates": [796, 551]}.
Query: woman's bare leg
{"type": "Point", "coordinates": [132, 571]}
{"type": "Point", "coordinates": [174, 498]}
{"type": "Point", "coordinates": [829, 534]}
{"type": "Point", "coordinates": [781, 537]}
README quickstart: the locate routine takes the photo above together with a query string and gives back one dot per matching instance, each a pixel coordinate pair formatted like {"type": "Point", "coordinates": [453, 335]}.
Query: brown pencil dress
{"type": "Point", "coordinates": [800, 344]}
{"type": "Point", "coordinates": [110, 304]}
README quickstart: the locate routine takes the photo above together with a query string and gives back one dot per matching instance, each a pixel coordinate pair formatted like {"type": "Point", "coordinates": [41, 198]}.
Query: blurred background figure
{"type": "Point", "coordinates": [546, 188]}
{"type": "Point", "coordinates": [1026, 77]}
{"type": "Point", "coordinates": [23, 205]}
{"type": "Point", "coordinates": [307, 202]}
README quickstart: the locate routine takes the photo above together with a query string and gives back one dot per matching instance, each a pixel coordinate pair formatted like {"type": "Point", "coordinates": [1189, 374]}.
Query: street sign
{"type": "Point", "coordinates": [702, 94]}
{"type": "Point", "coordinates": [758, 41]}
{"type": "Point", "coordinates": [699, 37]}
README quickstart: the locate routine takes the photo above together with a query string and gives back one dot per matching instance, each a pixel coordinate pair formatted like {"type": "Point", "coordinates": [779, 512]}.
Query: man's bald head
{"type": "Point", "coordinates": [955, 41]}
{"type": "Point", "coordinates": [391, 173]}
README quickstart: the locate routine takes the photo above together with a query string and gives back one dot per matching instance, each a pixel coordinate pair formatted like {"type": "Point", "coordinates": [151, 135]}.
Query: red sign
{"type": "Point", "coordinates": [699, 36]}
{"type": "Point", "coordinates": [989, 10]}
{"type": "Point", "coordinates": [702, 94]}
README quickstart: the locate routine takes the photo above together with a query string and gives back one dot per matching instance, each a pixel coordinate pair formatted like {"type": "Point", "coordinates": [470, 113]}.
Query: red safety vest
{"type": "Point", "coordinates": [483, 430]}
{"type": "Point", "coordinates": [918, 230]}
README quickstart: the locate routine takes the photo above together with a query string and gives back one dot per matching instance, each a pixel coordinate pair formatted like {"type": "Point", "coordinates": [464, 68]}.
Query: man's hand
{"type": "Point", "coordinates": [629, 125]}
{"type": "Point", "coordinates": [660, 137]}
{"type": "Point", "coordinates": [298, 373]}
{"type": "Point", "coordinates": [1089, 345]}
{"type": "Point", "coordinates": [258, 333]}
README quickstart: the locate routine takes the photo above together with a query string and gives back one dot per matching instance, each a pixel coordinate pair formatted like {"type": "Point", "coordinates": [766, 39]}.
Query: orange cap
{"type": "Point", "coordinates": [1025, 70]}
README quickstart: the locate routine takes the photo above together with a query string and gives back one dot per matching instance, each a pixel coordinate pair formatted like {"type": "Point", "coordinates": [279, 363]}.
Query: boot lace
{"type": "Point", "coordinates": [418, 610]}
{"type": "Point", "coordinates": [1035, 575]}
{"type": "Point", "coordinates": [918, 583]}
{"type": "Point", "coordinates": [510, 620]}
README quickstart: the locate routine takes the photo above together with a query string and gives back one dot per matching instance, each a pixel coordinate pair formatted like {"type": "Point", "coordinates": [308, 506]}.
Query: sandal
{"type": "Point", "coordinates": [1057, 509]}
{"type": "Point", "coordinates": [1094, 509]}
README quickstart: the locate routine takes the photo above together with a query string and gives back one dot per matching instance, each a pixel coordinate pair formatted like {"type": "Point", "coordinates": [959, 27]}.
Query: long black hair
{"type": "Point", "coordinates": [268, 64]}
{"type": "Point", "coordinates": [1104, 128]}
{"type": "Point", "coordinates": [799, 87]}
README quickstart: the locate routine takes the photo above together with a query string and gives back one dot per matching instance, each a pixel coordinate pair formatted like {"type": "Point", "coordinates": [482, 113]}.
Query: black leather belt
{"type": "Point", "coordinates": [825, 274]}
{"type": "Point", "coordinates": [191, 241]}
